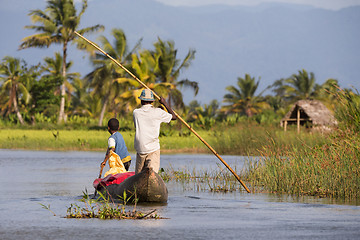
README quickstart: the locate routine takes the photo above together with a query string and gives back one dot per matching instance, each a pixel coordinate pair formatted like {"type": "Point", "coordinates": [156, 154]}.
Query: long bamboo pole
{"type": "Point", "coordinates": [177, 115]}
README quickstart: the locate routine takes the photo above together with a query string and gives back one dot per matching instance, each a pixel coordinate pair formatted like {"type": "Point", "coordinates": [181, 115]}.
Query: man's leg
{"type": "Point", "coordinates": [140, 160]}
{"type": "Point", "coordinates": [154, 158]}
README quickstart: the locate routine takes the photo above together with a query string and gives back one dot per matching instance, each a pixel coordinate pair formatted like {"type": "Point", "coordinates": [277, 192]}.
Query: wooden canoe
{"type": "Point", "coordinates": [146, 186]}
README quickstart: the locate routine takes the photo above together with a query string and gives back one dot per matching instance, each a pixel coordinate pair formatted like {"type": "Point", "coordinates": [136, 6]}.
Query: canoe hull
{"type": "Point", "coordinates": [146, 186]}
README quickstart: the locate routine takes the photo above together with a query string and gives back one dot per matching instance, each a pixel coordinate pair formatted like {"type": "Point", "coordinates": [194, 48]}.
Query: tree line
{"type": "Point", "coordinates": [50, 91]}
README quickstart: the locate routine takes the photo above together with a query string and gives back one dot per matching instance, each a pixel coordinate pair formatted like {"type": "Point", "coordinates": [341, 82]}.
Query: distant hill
{"type": "Point", "coordinates": [269, 41]}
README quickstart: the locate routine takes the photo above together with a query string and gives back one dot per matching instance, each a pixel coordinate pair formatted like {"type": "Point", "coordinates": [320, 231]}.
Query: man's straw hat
{"type": "Point", "coordinates": [147, 95]}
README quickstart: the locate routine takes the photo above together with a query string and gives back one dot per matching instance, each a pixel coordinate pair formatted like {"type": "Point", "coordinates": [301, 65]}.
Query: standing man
{"type": "Point", "coordinates": [147, 120]}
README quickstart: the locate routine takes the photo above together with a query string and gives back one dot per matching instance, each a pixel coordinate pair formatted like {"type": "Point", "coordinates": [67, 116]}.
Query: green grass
{"type": "Point", "coordinates": [236, 140]}
{"type": "Point", "coordinates": [53, 139]}
{"type": "Point", "coordinates": [84, 140]}
{"type": "Point", "coordinates": [251, 139]}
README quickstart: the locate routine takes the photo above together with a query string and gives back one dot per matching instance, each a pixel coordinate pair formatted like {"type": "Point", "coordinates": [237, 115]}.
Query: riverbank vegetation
{"type": "Point", "coordinates": [328, 170]}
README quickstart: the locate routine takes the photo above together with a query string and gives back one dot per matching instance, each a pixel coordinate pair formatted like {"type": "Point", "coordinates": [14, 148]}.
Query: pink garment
{"type": "Point", "coordinates": [112, 179]}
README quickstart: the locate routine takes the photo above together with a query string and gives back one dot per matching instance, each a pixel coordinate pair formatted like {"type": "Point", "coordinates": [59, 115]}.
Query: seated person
{"type": "Point", "coordinates": [117, 153]}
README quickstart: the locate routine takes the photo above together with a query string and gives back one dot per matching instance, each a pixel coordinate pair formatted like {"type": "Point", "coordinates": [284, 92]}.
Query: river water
{"type": "Point", "coordinates": [30, 179]}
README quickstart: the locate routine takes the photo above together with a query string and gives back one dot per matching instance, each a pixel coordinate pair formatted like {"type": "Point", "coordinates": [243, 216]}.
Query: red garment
{"type": "Point", "coordinates": [112, 179]}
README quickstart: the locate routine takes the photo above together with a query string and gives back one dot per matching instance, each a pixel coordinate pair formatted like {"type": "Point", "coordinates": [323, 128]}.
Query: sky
{"type": "Point", "coordinates": [326, 4]}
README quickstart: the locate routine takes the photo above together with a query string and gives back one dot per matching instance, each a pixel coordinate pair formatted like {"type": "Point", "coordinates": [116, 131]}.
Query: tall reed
{"type": "Point", "coordinates": [329, 170]}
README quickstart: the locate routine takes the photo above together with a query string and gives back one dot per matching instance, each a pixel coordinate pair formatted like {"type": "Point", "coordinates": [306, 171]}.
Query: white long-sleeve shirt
{"type": "Point", "coordinates": [147, 120]}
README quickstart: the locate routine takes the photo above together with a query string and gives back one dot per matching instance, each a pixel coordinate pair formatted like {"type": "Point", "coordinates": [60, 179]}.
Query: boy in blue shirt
{"type": "Point", "coordinates": [116, 144]}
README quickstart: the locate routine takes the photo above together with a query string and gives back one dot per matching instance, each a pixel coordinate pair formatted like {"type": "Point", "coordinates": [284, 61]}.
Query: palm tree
{"type": "Point", "coordinates": [106, 80]}
{"type": "Point", "coordinates": [208, 111]}
{"type": "Point", "coordinates": [142, 65]}
{"type": "Point", "coordinates": [243, 98]}
{"type": "Point", "coordinates": [156, 69]}
{"type": "Point", "coordinates": [168, 69]}
{"type": "Point", "coordinates": [84, 103]}
{"type": "Point", "coordinates": [14, 75]}
{"type": "Point", "coordinates": [301, 85]}
{"type": "Point", "coordinates": [191, 110]}
{"type": "Point", "coordinates": [53, 68]}
{"type": "Point", "coordinates": [57, 25]}
{"type": "Point", "coordinates": [328, 92]}
{"type": "Point", "coordinates": [204, 115]}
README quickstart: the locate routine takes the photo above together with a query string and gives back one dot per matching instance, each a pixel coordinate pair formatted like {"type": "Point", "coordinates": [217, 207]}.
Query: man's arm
{"type": "Point", "coordinates": [163, 102]}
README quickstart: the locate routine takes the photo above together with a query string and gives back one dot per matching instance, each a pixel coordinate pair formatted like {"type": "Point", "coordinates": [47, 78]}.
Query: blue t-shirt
{"type": "Point", "coordinates": [120, 147]}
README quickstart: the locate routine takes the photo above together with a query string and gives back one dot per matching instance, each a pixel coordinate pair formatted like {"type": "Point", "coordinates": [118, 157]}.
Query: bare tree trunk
{"type": "Point", "coordinates": [33, 121]}
{"type": "Point", "coordinates": [248, 112]}
{"type": "Point", "coordinates": [18, 114]}
{"type": "Point", "coordinates": [169, 100]}
{"type": "Point", "coordinates": [101, 118]}
{"type": "Point", "coordinates": [62, 104]}
{"type": "Point", "coordinates": [62, 88]}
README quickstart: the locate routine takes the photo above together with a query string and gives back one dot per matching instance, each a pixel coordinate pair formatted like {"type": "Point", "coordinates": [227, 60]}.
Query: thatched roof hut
{"type": "Point", "coordinates": [312, 113]}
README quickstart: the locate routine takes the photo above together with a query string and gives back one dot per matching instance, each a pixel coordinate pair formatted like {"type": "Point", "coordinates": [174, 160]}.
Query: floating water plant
{"type": "Point", "coordinates": [47, 208]}
{"type": "Point", "coordinates": [105, 208]}
{"type": "Point", "coordinates": [221, 181]}
{"type": "Point", "coordinates": [218, 180]}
